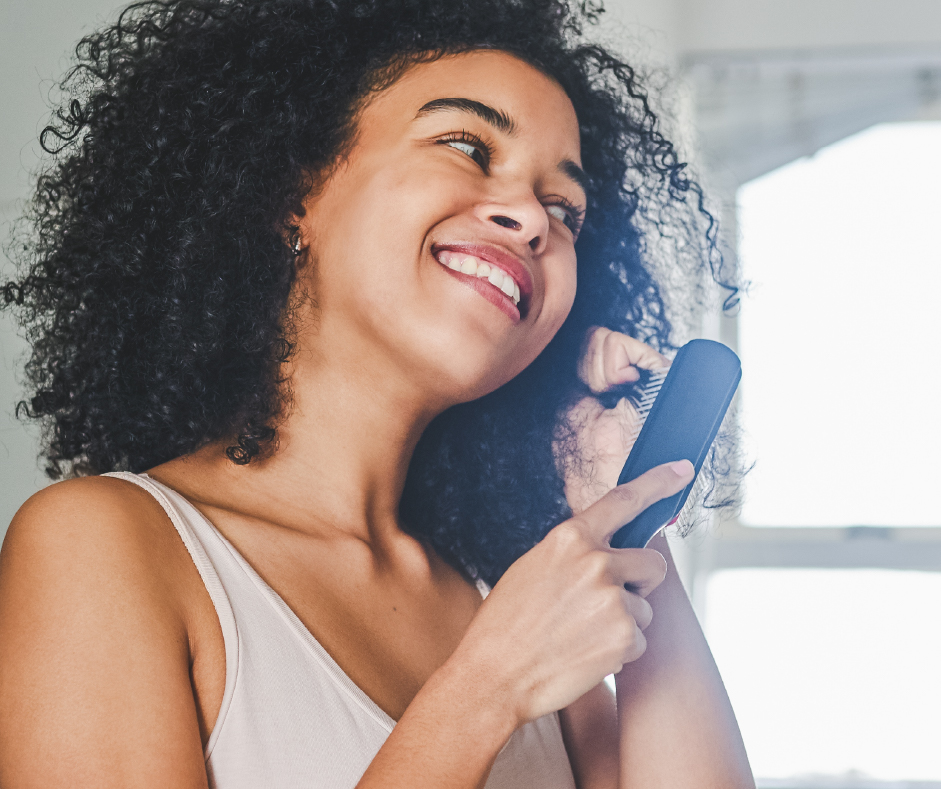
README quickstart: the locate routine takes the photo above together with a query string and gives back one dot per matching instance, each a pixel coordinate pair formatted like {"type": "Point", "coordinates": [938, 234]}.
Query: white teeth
{"type": "Point", "coordinates": [450, 260]}
{"type": "Point", "coordinates": [508, 286]}
{"type": "Point", "coordinates": [478, 268]}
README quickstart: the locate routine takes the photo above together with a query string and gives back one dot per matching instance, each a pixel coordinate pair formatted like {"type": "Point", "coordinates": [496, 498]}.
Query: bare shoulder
{"type": "Point", "coordinates": [94, 645]}
{"type": "Point", "coordinates": [102, 531]}
{"type": "Point", "coordinates": [88, 501]}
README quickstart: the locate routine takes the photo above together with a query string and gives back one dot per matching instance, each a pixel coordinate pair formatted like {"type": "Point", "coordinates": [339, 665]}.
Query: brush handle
{"type": "Point", "coordinates": [682, 423]}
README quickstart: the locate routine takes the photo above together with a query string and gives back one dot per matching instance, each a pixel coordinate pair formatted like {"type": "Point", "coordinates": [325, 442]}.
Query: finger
{"type": "Point", "coordinates": [638, 608]}
{"type": "Point", "coordinates": [624, 354]}
{"type": "Point", "coordinates": [610, 358]}
{"type": "Point", "coordinates": [618, 365]}
{"type": "Point", "coordinates": [634, 645]}
{"type": "Point", "coordinates": [591, 361]}
{"type": "Point", "coordinates": [641, 570]}
{"type": "Point", "coordinates": [625, 502]}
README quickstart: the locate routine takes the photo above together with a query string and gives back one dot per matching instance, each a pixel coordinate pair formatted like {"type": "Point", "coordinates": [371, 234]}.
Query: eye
{"type": "Point", "coordinates": [469, 144]}
{"type": "Point", "coordinates": [569, 214]}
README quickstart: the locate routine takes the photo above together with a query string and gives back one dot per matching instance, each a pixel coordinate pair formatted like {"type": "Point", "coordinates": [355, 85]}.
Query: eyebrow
{"type": "Point", "coordinates": [576, 173]}
{"type": "Point", "coordinates": [496, 118]}
{"type": "Point", "coordinates": [502, 122]}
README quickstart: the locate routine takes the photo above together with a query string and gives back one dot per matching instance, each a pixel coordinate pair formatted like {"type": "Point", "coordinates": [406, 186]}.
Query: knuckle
{"type": "Point", "coordinates": [643, 613]}
{"type": "Point", "coordinates": [625, 634]}
{"type": "Point", "coordinates": [596, 565]}
{"type": "Point", "coordinates": [569, 533]}
{"type": "Point", "coordinates": [598, 334]}
{"type": "Point", "coordinates": [626, 494]}
{"type": "Point", "coordinates": [636, 647]}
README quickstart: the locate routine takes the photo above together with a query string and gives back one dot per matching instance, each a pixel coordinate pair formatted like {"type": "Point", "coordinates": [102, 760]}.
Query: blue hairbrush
{"type": "Point", "coordinates": [679, 409]}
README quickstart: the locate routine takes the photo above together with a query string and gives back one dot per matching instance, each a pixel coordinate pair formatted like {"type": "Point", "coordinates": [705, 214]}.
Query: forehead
{"type": "Point", "coordinates": [537, 104]}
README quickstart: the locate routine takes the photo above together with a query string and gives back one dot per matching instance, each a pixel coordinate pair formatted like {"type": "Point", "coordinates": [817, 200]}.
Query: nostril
{"type": "Point", "coordinates": [505, 221]}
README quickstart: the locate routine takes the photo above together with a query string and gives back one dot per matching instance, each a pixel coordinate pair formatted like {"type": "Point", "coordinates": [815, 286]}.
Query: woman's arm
{"type": "Point", "coordinates": [672, 725]}
{"type": "Point", "coordinates": [590, 731]}
{"type": "Point", "coordinates": [677, 728]}
{"type": "Point", "coordinates": [95, 686]}
{"type": "Point", "coordinates": [449, 736]}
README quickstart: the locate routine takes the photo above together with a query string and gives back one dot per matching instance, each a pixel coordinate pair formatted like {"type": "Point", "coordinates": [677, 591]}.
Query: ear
{"type": "Point", "coordinates": [296, 236]}
{"type": "Point", "coordinates": [293, 235]}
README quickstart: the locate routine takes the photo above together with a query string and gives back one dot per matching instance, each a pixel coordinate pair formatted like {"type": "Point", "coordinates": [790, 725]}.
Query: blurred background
{"type": "Point", "coordinates": [816, 127]}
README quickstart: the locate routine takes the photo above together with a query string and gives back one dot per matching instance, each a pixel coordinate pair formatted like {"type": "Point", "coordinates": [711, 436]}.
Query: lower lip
{"type": "Point", "coordinates": [496, 297]}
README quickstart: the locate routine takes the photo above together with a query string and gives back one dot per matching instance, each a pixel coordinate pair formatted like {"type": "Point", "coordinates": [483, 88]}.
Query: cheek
{"type": "Point", "coordinates": [560, 295]}
{"type": "Point", "coordinates": [560, 292]}
{"type": "Point", "coordinates": [368, 243]}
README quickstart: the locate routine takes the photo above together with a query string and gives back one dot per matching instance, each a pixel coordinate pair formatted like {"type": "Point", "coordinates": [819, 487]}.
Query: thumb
{"type": "Point", "coordinates": [625, 502]}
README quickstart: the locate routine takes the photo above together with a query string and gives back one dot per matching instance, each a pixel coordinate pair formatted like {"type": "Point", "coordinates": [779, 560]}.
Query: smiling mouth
{"type": "Point", "coordinates": [473, 266]}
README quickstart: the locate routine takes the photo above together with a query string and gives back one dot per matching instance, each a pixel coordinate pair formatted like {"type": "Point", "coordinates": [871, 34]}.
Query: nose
{"type": "Point", "coordinates": [524, 219]}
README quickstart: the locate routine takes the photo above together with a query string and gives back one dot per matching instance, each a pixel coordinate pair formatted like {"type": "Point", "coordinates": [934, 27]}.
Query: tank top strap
{"type": "Point", "coordinates": [195, 531]}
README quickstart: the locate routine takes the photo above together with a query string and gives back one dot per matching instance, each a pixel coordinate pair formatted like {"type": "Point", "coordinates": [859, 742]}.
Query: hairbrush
{"type": "Point", "coordinates": [679, 410]}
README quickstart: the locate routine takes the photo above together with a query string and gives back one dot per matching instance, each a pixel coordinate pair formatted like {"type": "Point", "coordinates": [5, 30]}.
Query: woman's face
{"type": "Point", "coordinates": [443, 246]}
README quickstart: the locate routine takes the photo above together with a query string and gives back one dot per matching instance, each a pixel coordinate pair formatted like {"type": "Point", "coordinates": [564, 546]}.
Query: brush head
{"type": "Point", "coordinates": [679, 410]}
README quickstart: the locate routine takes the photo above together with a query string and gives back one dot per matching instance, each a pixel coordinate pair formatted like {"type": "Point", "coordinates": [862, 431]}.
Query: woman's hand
{"type": "Point", "coordinates": [603, 436]}
{"type": "Point", "coordinates": [560, 619]}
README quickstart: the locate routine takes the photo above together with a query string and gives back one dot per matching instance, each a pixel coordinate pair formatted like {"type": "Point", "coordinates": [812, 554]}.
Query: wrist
{"type": "Point", "coordinates": [479, 691]}
{"type": "Point", "coordinates": [450, 735]}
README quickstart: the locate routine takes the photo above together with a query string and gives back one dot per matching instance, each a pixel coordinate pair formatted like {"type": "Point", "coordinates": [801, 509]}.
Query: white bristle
{"type": "Point", "coordinates": [645, 400]}
{"type": "Point", "coordinates": [689, 513]}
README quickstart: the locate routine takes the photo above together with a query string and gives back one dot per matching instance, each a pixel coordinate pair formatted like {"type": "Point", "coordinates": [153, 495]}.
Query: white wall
{"type": "Point", "coordinates": [36, 40]}
{"type": "Point", "coordinates": [805, 24]}
{"type": "Point", "coordinates": [675, 29]}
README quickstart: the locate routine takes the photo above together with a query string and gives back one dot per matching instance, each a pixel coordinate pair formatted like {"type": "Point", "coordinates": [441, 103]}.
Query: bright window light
{"type": "Point", "coordinates": [832, 673]}
{"type": "Point", "coordinates": [841, 336]}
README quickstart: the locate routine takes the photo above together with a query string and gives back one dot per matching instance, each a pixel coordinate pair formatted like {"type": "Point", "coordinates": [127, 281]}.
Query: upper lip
{"type": "Point", "coordinates": [511, 264]}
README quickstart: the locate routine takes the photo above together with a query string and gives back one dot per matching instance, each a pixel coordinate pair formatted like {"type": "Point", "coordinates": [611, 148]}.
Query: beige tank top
{"type": "Point", "coordinates": [290, 717]}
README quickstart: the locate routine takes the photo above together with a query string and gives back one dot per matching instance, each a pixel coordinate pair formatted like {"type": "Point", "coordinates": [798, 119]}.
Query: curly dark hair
{"type": "Point", "coordinates": [155, 278]}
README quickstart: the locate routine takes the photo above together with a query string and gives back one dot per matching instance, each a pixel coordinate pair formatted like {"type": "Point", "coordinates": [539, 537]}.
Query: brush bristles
{"type": "Point", "coordinates": [644, 401]}
{"type": "Point", "coordinates": [692, 511]}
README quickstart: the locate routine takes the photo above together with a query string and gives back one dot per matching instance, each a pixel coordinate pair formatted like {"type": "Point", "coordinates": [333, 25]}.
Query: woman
{"type": "Point", "coordinates": [311, 266]}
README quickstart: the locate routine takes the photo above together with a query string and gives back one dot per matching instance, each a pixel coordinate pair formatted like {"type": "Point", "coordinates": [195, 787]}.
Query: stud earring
{"type": "Point", "coordinates": [296, 244]}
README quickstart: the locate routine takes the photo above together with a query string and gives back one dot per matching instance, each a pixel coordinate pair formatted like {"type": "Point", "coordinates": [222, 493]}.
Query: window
{"type": "Point", "coordinates": [841, 337]}
{"type": "Point", "coordinates": [832, 672]}
{"type": "Point", "coordinates": [820, 604]}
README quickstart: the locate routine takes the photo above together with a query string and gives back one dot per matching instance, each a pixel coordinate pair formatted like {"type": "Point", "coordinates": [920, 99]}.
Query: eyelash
{"type": "Point", "coordinates": [468, 138]}
{"type": "Point", "coordinates": [576, 214]}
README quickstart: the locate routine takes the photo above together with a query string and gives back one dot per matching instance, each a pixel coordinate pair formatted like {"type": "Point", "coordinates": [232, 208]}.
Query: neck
{"type": "Point", "coordinates": [342, 453]}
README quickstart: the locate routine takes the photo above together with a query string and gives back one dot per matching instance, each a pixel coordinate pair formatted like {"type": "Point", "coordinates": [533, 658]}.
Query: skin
{"type": "Point", "coordinates": [111, 657]}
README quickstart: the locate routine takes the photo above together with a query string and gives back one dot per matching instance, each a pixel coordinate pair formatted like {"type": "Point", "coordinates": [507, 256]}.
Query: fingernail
{"type": "Point", "coordinates": [682, 468]}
